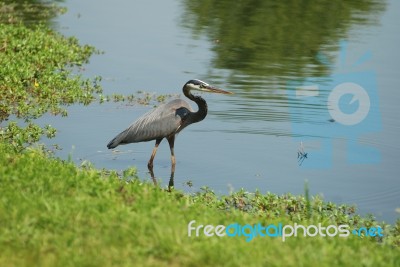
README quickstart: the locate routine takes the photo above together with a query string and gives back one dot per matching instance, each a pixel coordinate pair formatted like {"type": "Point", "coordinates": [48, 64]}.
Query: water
{"type": "Point", "coordinates": [261, 51]}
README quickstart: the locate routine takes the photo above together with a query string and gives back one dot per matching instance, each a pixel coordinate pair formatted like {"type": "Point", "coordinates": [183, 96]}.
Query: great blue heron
{"type": "Point", "coordinates": [167, 120]}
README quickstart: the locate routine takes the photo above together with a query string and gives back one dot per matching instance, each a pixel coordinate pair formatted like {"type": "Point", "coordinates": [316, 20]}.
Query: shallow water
{"type": "Point", "coordinates": [263, 52]}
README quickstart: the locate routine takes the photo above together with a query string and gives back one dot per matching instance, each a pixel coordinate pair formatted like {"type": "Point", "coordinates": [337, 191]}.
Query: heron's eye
{"type": "Point", "coordinates": [202, 85]}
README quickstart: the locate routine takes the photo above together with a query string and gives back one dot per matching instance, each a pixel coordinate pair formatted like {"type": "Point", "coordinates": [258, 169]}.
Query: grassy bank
{"type": "Point", "coordinates": [54, 214]}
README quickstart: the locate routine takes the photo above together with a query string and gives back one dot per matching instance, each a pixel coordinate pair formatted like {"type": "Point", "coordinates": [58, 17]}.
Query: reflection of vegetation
{"type": "Point", "coordinates": [275, 38]}
{"type": "Point", "coordinates": [27, 12]}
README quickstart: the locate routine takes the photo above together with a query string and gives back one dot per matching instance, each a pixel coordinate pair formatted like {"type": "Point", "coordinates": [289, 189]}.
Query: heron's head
{"type": "Point", "coordinates": [201, 86]}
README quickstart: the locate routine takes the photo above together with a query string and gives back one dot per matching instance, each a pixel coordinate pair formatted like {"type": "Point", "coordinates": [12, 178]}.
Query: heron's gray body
{"type": "Point", "coordinates": [165, 120]}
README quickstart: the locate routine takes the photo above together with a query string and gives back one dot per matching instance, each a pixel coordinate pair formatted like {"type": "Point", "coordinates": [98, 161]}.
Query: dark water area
{"type": "Point", "coordinates": [316, 77]}
{"type": "Point", "coordinates": [29, 12]}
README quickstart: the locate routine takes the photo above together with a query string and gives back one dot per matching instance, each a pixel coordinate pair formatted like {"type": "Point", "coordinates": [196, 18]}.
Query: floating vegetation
{"type": "Point", "coordinates": [41, 74]}
{"type": "Point", "coordinates": [38, 77]}
{"type": "Point", "coordinates": [140, 98]}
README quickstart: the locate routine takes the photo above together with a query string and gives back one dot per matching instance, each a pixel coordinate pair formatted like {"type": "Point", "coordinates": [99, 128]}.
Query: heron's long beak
{"type": "Point", "coordinates": [212, 89]}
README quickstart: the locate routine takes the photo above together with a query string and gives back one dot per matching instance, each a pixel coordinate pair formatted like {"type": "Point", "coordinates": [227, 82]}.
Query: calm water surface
{"type": "Point", "coordinates": [262, 51]}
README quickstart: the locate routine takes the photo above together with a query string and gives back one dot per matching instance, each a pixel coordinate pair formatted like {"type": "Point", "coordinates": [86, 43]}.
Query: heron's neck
{"type": "Point", "coordinates": [202, 104]}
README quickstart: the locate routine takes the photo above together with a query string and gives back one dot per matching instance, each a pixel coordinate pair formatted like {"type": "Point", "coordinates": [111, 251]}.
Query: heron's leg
{"type": "Point", "coordinates": [153, 177]}
{"type": "Point", "coordinates": [153, 154]}
{"type": "Point", "coordinates": [171, 141]}
{"type": "Point", "coordinates": [171, 181]}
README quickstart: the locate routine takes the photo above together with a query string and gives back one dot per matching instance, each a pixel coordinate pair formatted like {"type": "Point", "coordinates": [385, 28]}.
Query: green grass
{"type": "Point", "coordinates": [54, 214]}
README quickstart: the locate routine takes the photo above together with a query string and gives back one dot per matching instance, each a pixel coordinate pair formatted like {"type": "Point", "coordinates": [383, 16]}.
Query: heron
{"type": "Point", "coordinates": [167, 120]}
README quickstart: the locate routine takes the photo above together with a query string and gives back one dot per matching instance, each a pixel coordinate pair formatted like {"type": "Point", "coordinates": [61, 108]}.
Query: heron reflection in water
{"type": "Point", "coordinates": [166, 121]}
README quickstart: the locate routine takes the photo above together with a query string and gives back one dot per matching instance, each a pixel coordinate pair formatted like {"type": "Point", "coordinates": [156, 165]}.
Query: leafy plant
{"type": "Point", "coordinates": [39, 75]}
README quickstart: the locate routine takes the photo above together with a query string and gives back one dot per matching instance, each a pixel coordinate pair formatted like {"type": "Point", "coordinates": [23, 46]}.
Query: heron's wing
{"type": "Point", "coordinates": [157, 123]}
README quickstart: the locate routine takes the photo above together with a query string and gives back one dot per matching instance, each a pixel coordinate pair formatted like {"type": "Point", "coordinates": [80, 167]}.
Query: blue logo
{"type": "Point", "coordinates": [344, 105]}
{"type": "Point", "coordinates": [372, 231]}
